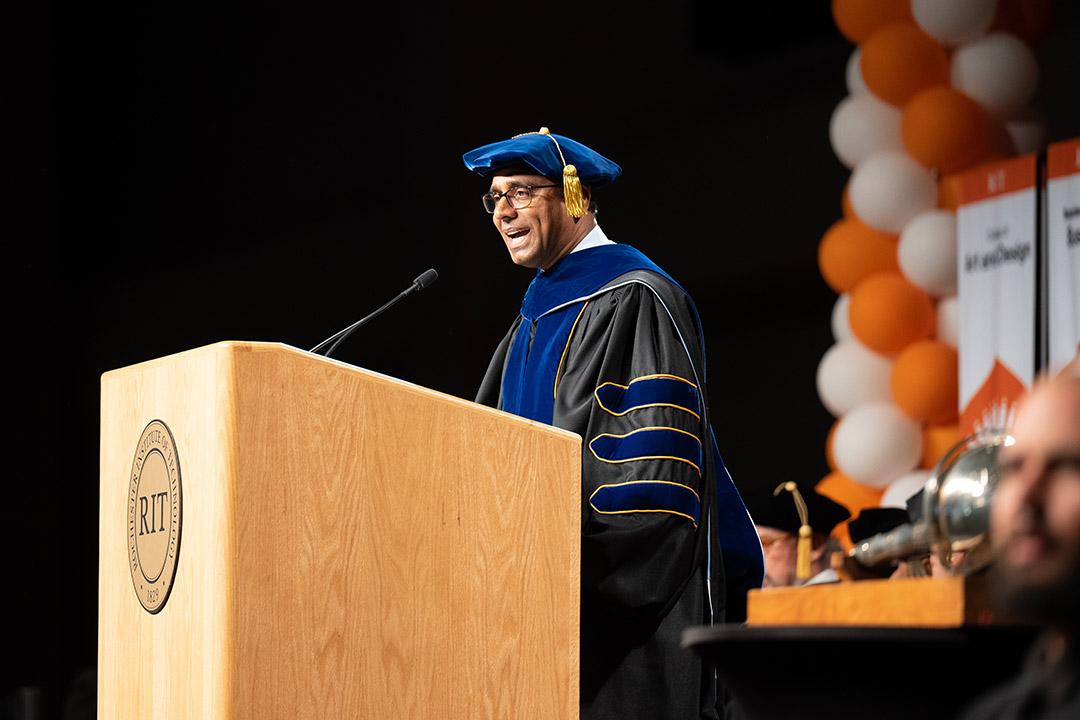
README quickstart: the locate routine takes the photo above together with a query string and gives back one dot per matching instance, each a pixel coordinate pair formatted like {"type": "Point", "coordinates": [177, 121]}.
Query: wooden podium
{"type": "Point", "coordinates": [345, 545]}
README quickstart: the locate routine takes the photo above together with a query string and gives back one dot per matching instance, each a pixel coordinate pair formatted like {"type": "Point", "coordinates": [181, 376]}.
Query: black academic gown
{"type": "Point", "coordinates": [609, 347]}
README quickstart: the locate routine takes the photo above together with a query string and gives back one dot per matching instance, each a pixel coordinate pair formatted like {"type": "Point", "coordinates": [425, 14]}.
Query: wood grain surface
{"type": "Point", "coordinates": [353, 546]}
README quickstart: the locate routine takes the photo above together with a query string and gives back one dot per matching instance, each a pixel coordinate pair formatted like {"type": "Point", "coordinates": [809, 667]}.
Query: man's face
{"type": "Point", "coordinates": [781, 553]}
{"type": "Point", "coordinates": [539, 235]}
{"type": "Point", "coordinates": [1035, 514]}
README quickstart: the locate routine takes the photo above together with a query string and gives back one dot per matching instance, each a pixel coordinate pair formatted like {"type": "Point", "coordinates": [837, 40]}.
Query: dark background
{"type": "Point", "coordinates": [177, 174]}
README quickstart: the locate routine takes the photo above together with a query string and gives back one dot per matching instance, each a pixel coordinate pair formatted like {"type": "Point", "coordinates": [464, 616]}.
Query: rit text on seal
{"type": "Point", "coordinates": [154, 516]}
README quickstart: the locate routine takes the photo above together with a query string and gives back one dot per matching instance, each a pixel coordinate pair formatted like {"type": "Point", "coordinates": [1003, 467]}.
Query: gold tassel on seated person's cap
{"type": "Point", "coordinates": [806, 541]}
{"type": "Point", "coordinates": [802, 562]}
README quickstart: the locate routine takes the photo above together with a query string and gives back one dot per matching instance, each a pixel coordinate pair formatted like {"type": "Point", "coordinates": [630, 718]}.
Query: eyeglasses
{"type": "Point", "coordinates": [519, 197]}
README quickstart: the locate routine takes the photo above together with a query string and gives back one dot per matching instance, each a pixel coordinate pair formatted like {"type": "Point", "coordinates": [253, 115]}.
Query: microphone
{"type": "Point", "coordinates": [424, 280]}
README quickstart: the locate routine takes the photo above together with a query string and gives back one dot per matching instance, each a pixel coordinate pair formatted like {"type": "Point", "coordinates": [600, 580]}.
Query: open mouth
{"type": "Point", "coordinates": [515, 234]}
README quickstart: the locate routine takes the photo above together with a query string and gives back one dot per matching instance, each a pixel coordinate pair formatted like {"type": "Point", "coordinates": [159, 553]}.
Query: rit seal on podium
{"type": "Point", "coordinates": [155, 513]}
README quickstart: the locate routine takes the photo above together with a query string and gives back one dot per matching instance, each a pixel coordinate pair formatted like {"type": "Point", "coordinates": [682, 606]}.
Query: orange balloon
{"type": "Point", "coordinates": [943, 128]}
{"type": "Point", "coordinates": [1030, 20]}
{"type": "Point", "coordinates": [887, 313]}
{"type": "Point", "coordinates": [851, 250]}
{"type": "Point", "coordinates": [899, 60]}
{"type": "Point", "coordinates": [925, 382]}
{"type": "Point", "coordinates": [938, 440]}
{"type": "Point", "coordinates": [858, 19]}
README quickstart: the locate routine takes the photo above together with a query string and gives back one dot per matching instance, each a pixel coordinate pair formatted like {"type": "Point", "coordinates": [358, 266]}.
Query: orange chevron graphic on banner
{"type": "Point", "coordinates": [994, 404]}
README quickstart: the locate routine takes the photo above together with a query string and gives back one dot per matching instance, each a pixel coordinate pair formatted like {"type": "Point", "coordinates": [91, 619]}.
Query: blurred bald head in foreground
{"type": "Point", "coordinates": [1035, 516]}
{"type": "Point", "coordinates": [1035, 531]}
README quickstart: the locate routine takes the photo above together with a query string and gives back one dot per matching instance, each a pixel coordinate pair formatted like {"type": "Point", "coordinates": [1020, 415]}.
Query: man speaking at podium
{"type": "Point", "coordinates": [608, 346]}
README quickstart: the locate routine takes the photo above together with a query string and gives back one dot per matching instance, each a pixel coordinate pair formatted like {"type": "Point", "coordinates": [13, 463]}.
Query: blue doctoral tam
{"type": "Point", "coordinates": [546, 153]}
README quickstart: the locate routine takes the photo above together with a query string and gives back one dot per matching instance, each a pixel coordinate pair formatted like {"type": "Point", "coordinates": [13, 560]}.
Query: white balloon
{"type": "Point", "coordinates": [927, 251]}
{"type": "Point", "coordinates": [850, 375]}
{"type": "Point", "coordinates": [899, 490]}
{"type": "Point", "coordinates": [999, 71]}
{"type": "Point", "coordinates": [841, 328]}
{"type": "Point", "coordinates": [1027, 130]}
{"type": "Point", "coordinates": [947, 322]}
{"type": "Point", "coordinates": [876, 443]}
{"type": "Point", "coordinates": [853, 74]}
{"type": "Point", "coordinates": [888, 189]}
{"type": "Point", "coordinates": [863, 125]}
{"type": "Point", "coordinates": [954, 21]}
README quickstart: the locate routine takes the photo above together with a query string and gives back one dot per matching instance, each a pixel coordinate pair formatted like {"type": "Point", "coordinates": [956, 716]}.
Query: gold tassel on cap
{"type": "Point", "coordinates": [571, 184]}
{"type": "Point", "coordinates": [806, 542]}
{"type": "Point", "coordinates": [574, 199]}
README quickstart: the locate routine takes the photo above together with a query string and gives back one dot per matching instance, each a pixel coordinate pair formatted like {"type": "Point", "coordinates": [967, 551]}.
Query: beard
{"type": "Point", "coordinates": [1049, 597]}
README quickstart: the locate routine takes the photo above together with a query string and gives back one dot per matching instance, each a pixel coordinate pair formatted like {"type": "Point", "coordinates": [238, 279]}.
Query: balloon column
{"type": "Point", "coordinates": [934, 87]}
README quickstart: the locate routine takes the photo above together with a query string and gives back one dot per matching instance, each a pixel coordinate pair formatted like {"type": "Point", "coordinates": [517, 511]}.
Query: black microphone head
{"type": "Point", "coordinates": [425, 279]}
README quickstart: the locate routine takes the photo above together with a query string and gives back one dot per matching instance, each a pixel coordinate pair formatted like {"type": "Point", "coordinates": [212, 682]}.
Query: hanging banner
{"type": "Point", "coordinates": [1062, 253]}
{"type": "Point", "coordinates": [997, 226]}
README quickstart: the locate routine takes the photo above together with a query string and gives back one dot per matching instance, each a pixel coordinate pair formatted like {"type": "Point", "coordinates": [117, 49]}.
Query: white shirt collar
{"type": "Point", "coordinates": [595, 238]}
